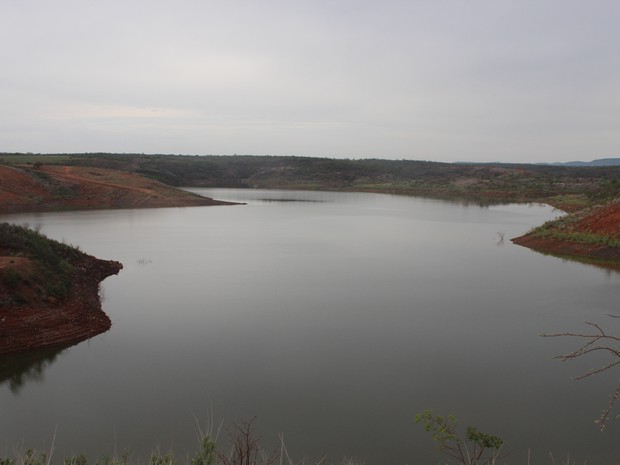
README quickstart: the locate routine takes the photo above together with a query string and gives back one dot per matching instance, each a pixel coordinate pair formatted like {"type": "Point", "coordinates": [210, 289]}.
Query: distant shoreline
{"type": "Point", "coordinates": [109, 181]}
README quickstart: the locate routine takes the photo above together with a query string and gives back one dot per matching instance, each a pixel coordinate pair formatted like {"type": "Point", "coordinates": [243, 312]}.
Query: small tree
{"type": "Point", "coordinates": [477, 449]}
{"type": "Point", "coordinates": [206, 453]}
{"type": "Point", "coordinates": [246, 448]}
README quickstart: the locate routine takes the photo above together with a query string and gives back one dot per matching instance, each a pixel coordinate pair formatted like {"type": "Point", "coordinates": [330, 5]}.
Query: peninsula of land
{"type": "Point", "coordinates": [49, 291]}
{"type": "Point", "coordinates": [40, 187]}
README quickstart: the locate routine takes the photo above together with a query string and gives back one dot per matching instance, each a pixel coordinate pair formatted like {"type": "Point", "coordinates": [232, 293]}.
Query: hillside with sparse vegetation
{"type": "Point", "coordinates": [44, 187]}
{"type": "Point", "coordinates": [103, 180]}
{"type": "Point", "coordinates": [49, 291]}
{"type": "Point", "coordinates": [565, 186]}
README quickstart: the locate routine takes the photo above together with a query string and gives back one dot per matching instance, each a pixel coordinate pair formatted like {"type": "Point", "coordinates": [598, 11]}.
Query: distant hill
{"type": "Point", "coordinates": [593, 163]}
{"type": "Point", "coordinates": [56, 181]}
{"type": "Point", "coordinates": [54, 187]}
{"type": "Point", "coordinates": [598, 162]}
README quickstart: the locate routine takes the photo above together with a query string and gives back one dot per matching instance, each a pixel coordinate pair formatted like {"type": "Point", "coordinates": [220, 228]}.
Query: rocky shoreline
{"type": "Point", "coordinates": [601, 256]}
{"type": "Point", "coordinates": [591, 235]}
{"type": "Point", "coordinates": [49, 322]}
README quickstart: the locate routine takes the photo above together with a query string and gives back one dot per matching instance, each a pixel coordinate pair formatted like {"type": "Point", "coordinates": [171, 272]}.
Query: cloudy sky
{"type": "Point", "coordinates": [443, 80]}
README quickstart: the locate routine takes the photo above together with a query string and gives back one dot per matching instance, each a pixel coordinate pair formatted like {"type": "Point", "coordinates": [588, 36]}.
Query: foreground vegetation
{"type": "Point", "coordinates": [242, 446]}
{"type": "Point", "coordinates": [475, 448]}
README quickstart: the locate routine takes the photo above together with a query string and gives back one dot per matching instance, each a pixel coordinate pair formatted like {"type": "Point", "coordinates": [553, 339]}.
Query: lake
{"type": "Point", "coordinates": [330, 317]}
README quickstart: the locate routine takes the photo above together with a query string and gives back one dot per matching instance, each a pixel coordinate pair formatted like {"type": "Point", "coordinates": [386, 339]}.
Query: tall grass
{"type": "Point", "coordinates": [240, 447]}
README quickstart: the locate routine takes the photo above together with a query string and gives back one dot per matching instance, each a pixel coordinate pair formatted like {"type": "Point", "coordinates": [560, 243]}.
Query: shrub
{"type": "Point", "coordinates": [11, 277]}
{"type": "Point", "coordinates": [52, 258]}
{"type": "Point", "coordinates": [477, 449]}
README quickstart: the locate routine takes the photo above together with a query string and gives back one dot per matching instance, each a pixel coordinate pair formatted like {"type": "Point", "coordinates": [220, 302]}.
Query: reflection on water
{"type": "Point", "coordinates": [610, 266]}
{"type": "Point", "coordinates": [290, 200]}
{"type": "Point", "coordinates": [18, 369]}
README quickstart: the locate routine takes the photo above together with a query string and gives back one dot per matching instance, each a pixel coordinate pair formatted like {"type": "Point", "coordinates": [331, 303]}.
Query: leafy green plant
{"type": "Point", "coordinates": [477, 448]}
{"type": "Point", "coordinates": [206, 455]}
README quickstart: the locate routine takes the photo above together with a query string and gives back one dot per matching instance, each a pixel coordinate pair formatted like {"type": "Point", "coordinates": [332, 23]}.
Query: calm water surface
{"type": "Point", "coordinates": [333, 318]}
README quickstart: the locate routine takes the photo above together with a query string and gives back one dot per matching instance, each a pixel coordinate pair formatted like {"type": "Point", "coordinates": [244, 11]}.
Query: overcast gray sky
{"type": "Point", "coordinates": [443, 80]}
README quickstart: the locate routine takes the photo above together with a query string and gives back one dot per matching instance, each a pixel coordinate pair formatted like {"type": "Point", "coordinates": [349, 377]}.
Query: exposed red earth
{"type": "Point", "coordinates": [603, 220]}
{"type": "Point", "coordinates": [74, 187]}
{"type": "Point", "coordinates": [36, 319]}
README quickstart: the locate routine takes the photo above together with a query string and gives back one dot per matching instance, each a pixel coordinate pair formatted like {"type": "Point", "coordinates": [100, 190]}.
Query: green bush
{"type": "Point", "coordinates": [52, 259]}
{"type": "Point", "coordinates": [476, 449]}
{"type": "Point", "coordinates": [11, 277]}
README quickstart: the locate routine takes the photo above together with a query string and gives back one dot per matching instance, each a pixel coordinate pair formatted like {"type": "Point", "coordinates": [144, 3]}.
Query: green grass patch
{"type": "Point", "coordinates": [570, 202]}
{"type": "Point", "coordinates": [580, 237]}
{"type": "Point", "coordinates": [31, 159]}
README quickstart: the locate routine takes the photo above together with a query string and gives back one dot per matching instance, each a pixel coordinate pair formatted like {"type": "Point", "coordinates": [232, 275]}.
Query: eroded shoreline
{"type": "Point", "coordinates": [45, 322]}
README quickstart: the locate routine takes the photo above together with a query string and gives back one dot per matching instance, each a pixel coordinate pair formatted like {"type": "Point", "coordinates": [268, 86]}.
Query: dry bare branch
{"type": "Point", "coordinates": [245, 447]}
{"type": "Point", "coordinates": [598, 341]}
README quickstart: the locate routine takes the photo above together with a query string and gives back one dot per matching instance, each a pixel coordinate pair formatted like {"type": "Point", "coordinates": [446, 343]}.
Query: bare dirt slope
{"type": "Point", "coordinates": [604, 220]}
{"type": "Point", "coordinates": [73, 187]}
